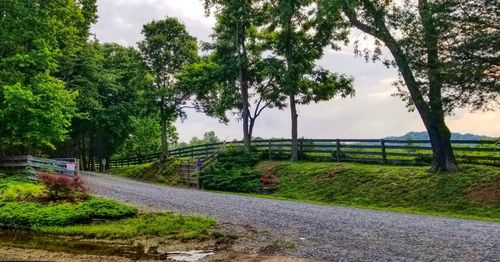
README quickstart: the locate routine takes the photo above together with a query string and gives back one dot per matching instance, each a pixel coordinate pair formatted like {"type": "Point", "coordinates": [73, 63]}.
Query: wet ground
{"type": "Point", "coordinates": [236, 243]}
{"type": "Point", "coordinates": [131, 250]}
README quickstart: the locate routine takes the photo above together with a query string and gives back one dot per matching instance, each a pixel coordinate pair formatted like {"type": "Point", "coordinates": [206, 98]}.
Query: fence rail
{"type": "Point", "coordinates": [35, 165]}
{"type": "Point", "coordinates": [416, 152]}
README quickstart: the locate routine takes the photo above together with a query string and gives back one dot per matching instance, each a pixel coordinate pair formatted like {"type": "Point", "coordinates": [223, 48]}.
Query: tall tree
{"type": "Point", "coordinates": [110, 80]}
{"type": "Point", "coordinates": [445, 55]}
{"type": "Point", "coordinates": [145, 137]}
{"type": "Point", "coordinates": [36, 36]}
{"type": "Point", "coordinates": [235, 77]}
{"type": "Point", "coordinates": [166, 49]}
{"type": "Point", "coordinates": [298, 33]}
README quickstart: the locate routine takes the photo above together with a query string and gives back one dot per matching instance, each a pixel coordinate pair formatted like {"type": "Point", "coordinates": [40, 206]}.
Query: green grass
{"type": "Point", "coordinates": [114, 220]}
{"type": "Point", "coordinates": [22, 214]}
{"type": "Point", "coordinates": [159, 172]}
{"type": "Point", "coordinates": [471, 193]}
{"type": "Point", "coordinates": [165, 225]}
{"type": "Point", "coordinates": [133, 171]}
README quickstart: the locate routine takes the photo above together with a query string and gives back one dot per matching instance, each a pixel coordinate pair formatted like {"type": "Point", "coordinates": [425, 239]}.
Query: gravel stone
{"type": "Point", "coordinates": [320, 232]}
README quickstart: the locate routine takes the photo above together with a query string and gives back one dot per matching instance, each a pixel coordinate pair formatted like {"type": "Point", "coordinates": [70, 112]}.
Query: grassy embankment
{"type": "Point", "coordinates": [21, 208]}
{"type": "Point", "coordinates": [474, 192]}
{"type": "Point", "coordinates": [163, 173]}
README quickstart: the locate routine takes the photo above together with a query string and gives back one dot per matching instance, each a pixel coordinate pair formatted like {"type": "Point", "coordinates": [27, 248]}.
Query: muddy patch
{"type": "Point", "coordinates": [489, 195]}
{"type": "Point", "coordinates": [133, 250]}
{"type": "Point", "coordinates": [231, 243]}
{"type": "Point", "coordinates": [330, 173]}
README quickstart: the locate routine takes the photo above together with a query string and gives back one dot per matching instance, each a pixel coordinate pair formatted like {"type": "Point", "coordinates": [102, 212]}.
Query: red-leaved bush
{"type": "Point", "coordinates": [61, 187]}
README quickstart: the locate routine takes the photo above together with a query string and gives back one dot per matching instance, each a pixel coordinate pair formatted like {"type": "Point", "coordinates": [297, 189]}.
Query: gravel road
{"type": "Point", "coordinates": [323, 233]}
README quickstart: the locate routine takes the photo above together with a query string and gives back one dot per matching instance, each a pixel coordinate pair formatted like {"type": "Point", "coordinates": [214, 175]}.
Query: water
{"type": "Point", "coordinates": [31, 240]}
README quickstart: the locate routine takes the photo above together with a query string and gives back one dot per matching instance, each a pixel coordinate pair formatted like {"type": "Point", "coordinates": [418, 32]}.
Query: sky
{"type": "Point", "coordinates": [372, 113]}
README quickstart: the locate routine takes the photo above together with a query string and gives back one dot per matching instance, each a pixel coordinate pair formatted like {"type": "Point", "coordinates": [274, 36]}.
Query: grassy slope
{"type": "Point", "coordinates": [472, 193]}
{"type": "Point", "coordinates": [162, 173]}
{"type": "Point", "coordinates": [133, 171]}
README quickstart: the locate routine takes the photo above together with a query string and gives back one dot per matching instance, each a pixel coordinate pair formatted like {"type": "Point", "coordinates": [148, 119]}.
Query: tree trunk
{"type": "Point", "coordinates": [430, 112]}
{"type": "Point", "coordinates": [295, 141]}
{"type": "Point", "coordinates": [83, 152]}
{"type": "Point", "coordinates": [245, 115]}
{"type": "Point", "coordinates": [443, 157]}
{"type": "Point", "coordinates": [164, 139]}
{"type": "Point", "coordinates": [92, 153]}
{"type": "Point", "coordinates": [250, 128]}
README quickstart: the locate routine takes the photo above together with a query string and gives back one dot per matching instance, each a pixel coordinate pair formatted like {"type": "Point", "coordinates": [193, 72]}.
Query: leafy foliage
{"type": "Point", "coordinates": [444, 55]}
{"type": "Point", "coordinates": [297, 33]}
{"type": "Point", "coordinates": [237, 73]}
{"type": "Point", "coordinates": [65, 188]}
{"type": "Point", "coordinates": [166, 49]}
{"type": "Point", "coordinates": [29, 214]}
{"type": "Point", "coordinates": [111, 80]}
{"type": "Point", "coordinates": [29, 64]}
{"type": "Point", "coordinates": [234, 171]}
{"type": "Point", "coordinates": [22, 191]}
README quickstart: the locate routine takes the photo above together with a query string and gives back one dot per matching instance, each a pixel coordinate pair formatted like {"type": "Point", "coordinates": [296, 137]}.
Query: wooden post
{"type": "Point", "coordinates": [270, 149]}
{"type": "Point", "coordinates": [338, 150]}
{"type": "Point", "coordinates": [301, 148]}
{"type": "Point", "coordinates": [384, 153]}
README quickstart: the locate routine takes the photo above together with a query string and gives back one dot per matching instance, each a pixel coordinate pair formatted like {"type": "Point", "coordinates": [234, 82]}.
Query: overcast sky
{"type": "Point", "coordinates": [373, 113]}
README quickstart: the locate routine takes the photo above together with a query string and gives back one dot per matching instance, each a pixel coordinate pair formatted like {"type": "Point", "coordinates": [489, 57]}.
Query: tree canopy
{"type": "Point", "coordinates": [37, 37]}
{"type": "Point", "coordinates": [444, 55]}
{"type": "Point", "coordinates": [166, 49]}
{"type": "Point", "coordinates": [297, 33]}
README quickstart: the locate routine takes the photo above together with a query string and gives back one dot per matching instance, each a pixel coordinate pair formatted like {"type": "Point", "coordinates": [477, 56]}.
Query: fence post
{"type": "Point", "coordinates": [301, 148]}
{"type": "Point", "coordinates": [270, 149]}
{"type": "Point", "coordinates": [338, 150]}
{"type": "Point", "coordinates": [384, 154]}
{"type": "Point", "coordinates": [192, 152]}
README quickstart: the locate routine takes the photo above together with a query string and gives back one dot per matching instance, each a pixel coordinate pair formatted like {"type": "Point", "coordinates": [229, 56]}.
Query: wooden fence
{"type": "Point", "coordinates": [35, 165]}
{"type": "Point", "coordinates": [411, 152]}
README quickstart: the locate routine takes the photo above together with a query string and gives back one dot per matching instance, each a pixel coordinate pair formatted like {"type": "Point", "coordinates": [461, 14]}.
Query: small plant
{"type": "Point", "coordinates": [234, 171]}
{"type": "Point", "coordinates": [60, 187]}
{"type": "Point", "coordinates": [22, 191]}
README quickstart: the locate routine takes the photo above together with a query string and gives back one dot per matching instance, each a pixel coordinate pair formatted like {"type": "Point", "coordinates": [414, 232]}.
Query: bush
{"type": "Point", "coordinates": [60, 187]}
{"type": "Point", "coordinates": [100, 208]}
{"type": "Point", "coordinates": [234, 171]}
{"type": "Point", "coordinates": [22, 191]}
{"type": "Point", "coordinates": [29, 214]}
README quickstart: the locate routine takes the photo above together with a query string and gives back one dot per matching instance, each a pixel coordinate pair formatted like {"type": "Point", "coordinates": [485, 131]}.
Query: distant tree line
{"type": "Point", "coordinates": [63, 92]}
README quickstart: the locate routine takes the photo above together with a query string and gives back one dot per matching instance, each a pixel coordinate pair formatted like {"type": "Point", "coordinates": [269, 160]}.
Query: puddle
{"type": "Point", "coordinates": [30, 240]}
{"type": "Point", "coordinates": [189, 256]}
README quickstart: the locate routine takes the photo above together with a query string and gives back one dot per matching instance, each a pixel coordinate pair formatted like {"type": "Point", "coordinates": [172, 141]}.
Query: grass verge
{"type": "Point", "coordinates": [93, 217]}
{"type": "Point", "coordinates": [474, 192]}
{"type": "Point", "coordinates": [165, 225]}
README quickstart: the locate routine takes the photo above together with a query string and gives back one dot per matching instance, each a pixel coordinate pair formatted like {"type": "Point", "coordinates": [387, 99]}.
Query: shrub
{"type": "Point", "coordinates": [60, 187]}
{"type": "Point", "coordinates": [29, 214]}
{"type": "Point", "coordinates": [100, 208]}
{"type": "Point", "coordinates": [234, 171]}
{"type": "Point", "coordinates": [22, 191]}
